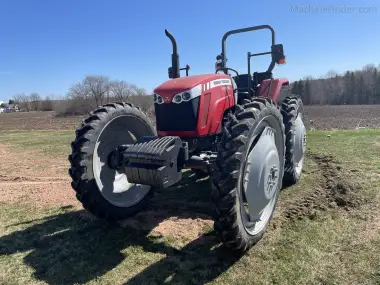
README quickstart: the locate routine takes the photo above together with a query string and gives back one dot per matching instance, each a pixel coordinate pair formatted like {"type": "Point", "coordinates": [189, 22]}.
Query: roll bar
{"type": "Point", "coordinates": [244, 30]}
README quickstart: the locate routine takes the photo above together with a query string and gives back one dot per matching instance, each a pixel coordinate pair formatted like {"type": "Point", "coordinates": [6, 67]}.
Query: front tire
{"type": "Point", "coordinates": [104, 192]}
{"type": "Point", "coordinates": [247, 155]}
{"type": "Point", "coordinates": [292, 111]}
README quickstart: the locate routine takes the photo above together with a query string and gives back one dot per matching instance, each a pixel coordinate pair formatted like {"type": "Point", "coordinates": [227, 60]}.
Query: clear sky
{"type": "Point", "coordinates": [48, 45]}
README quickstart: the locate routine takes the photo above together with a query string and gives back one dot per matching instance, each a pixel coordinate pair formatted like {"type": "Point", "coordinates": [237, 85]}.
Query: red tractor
{"type": "Point", "coordinates": [238, 129]}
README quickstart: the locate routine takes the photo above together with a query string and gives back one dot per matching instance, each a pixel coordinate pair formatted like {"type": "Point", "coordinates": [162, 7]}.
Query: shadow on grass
{"type": "Point", "coordinates": [70, 248]}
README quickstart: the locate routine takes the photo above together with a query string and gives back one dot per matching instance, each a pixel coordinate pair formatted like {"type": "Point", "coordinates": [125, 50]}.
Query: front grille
{"type": "Point", "coordinates": [177, 117]}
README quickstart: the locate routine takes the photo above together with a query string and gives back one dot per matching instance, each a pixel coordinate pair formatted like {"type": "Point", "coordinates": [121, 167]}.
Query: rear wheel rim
{"type": "Point", "coordinates": [255, 221]}
{"type": "Point", "coordinates": [112, 184]}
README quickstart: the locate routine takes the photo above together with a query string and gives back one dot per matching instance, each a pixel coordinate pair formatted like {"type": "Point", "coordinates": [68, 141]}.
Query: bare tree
{"type": "Point", "coordinates": [78, 91]}
{"type": "Point", "coordinates": [331, 73]}
{"type": "Point", "coordinates": [47, 104]}
{"type": "Point", "coordinates": [23, 101]}
{"type": "Point", "coordinates": [98, 87]}
{"type": "Point", "coordinates": [17, 98]}
{"type": "Point", "coordinates": [145, 102]}
{"type": "Point", "coordinates": [35, 101]}
{"type": "Point", "coordinates": [93, 89]}
{"type": "Point", "coordinates": [121, 90]}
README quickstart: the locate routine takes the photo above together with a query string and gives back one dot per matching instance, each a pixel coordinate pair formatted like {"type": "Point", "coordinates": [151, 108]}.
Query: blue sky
{"type": "Point", "coordinates": [48, 45]}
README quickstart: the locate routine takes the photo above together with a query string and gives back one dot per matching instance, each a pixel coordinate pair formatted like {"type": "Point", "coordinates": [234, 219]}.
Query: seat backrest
{"type": "Point", "coordinates": [242, 81]}
{"type": "Point", "coordinates": [259, 77]}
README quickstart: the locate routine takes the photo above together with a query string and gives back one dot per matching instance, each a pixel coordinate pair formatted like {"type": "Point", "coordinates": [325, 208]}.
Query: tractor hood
{"type": "Point", "coordinates": [174, 86]}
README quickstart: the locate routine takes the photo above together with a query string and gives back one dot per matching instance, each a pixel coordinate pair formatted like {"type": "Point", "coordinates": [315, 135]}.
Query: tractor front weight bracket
{"type": "Point", "coordinates": [154, 161]}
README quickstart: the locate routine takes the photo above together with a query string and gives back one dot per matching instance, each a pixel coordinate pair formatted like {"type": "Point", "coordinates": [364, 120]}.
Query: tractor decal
{"type": "Point", "coordinates": [216, 83]}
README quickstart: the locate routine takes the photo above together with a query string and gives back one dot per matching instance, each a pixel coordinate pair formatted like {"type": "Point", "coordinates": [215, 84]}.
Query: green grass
{"type": "Point", "coordinates": [52, 143]}
{"type": "Point", "coordinates": [62, 246]}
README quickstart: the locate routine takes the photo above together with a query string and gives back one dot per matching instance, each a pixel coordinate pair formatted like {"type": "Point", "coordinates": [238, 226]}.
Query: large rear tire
{"type": "Point", "coordinates": [248, 173]}
{"type": "Point", "coordinates": [292, 111]}
{"type": "Point", "coordinates": [105, 192]}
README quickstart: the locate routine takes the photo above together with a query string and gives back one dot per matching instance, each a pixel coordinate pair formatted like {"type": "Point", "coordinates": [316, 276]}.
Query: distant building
{"type": "Point", "coordinates": [11, 108]}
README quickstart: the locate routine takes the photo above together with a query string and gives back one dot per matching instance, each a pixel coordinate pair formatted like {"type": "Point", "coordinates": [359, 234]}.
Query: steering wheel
{"type": "Point", "coordinates": [227, 68]}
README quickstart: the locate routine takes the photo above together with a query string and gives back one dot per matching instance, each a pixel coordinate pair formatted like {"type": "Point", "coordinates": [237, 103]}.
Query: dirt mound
{"type": "Point", "coordinates": [335, 190]}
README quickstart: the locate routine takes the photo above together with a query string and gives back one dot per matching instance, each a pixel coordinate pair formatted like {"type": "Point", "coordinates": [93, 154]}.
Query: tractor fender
{"type": "Point", "coordinates": [234, 88]}
{"type": "Point", "coordinates": [274, 86]}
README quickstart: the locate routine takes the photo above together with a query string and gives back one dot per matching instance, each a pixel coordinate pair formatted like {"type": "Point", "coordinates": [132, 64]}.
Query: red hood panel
{"type": "Point", "coordinates": [174, 86]}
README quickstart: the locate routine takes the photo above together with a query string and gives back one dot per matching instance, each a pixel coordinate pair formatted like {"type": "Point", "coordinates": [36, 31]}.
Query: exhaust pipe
{"type": "Point", "coordinates": [174, 71]}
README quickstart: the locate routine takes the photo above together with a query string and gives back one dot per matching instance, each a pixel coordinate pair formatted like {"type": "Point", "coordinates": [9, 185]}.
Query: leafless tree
{"type": "Point", "coordinates": [35, 101]}
{"type": "Point", "coordinates": [17, 98]}
{"type": "Point", "coordinates": [121, 90]}
{"type": "Point", "coordinates": [47, 104]}
{"type": "Point", "coordinates": [93, 89]}
{"type": "Point", "coordinates": [98, 87]}
{"type": "Point", "coordinates": [145, 102]}
{"type": "Point", "coordinates": [23, 101]}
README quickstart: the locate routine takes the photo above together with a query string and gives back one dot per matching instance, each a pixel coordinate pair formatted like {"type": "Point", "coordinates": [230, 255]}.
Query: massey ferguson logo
{"type": "Point", "coordinates": [167, 99]}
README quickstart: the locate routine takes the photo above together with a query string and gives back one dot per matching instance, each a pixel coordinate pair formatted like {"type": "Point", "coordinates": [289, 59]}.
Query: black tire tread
{"type": "Point", "coordinates": [226, 171]}
{"type": "Point", "coordinates": [80, 158]}
{"type": "Point", "coordinates": [289, 110]}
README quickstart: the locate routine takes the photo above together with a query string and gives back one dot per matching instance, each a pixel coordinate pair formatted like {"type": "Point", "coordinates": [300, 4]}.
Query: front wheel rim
{"type": "Point", "coordinates": [112, 184]}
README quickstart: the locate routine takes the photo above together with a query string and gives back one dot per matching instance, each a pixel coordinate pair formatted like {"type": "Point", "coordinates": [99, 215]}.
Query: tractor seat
{"type": "Point", "coordinates": [242, 82]}
{"type": "Point", "coordinates": [242, 87]}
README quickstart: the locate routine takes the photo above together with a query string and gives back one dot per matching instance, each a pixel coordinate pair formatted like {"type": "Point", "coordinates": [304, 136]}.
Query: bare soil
{"type": "Point", "coordinates": [33, 178]}
{"type": "Point", "coordinates": [335, 189]}
{"type": "Point", "coordinates": [186, 217]}
{"type": "Point", "coordinates": [161, 225]}
{"type": "Point", "coordinates": [45, 186]}
{"type": "Point", "coordinates": [343, 117]}
{"type": "Point", "coordinates": [37, 121]}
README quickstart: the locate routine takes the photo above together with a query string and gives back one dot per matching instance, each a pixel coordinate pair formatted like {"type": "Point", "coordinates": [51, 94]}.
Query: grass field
{"type": "Point", "coordinates": [326, 230]}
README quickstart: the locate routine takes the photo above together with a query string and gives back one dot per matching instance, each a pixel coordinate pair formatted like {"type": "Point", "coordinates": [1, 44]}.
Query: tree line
{"type": "Point", "coordinates": [97, 90]}
{"type": "Point", "coordinates": [351, 88]}
{"type": "Point", "coordinates": [86, 95]}
{"type": "Point", "coordinates": [32, 102]}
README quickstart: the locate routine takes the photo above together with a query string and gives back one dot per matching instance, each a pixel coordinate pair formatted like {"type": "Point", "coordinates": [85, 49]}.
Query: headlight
{"type": "Point", "coordinates": [188, 95]}
{"type": "Point", "coordinates": [157, 99]}
{"type": "Point", "coordinates": [177, 98]}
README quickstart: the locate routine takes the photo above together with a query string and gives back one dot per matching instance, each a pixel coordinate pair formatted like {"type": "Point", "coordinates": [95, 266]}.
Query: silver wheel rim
{"type": "Point", "coordinates": [299, 143]}
{"type": "Point", "coordinates": [113, 185]}
{"type": "Point", "coordinates": [261, 179]}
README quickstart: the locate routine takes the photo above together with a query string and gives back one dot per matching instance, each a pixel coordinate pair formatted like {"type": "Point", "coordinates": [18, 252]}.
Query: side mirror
{"type": "Point", "coordinates": [278, 54]}
{"type": "Point", "coordinates": [218, 63]}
